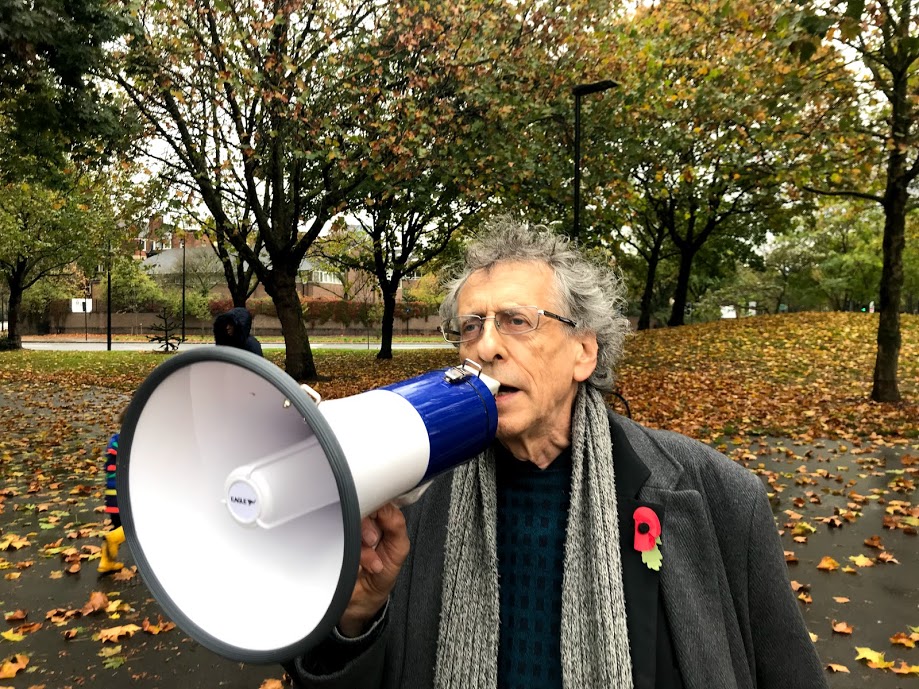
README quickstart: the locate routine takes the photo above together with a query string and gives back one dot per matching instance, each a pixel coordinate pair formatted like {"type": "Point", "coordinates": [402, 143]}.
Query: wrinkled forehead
{"type": "Point", "coordinates": [508, 283]}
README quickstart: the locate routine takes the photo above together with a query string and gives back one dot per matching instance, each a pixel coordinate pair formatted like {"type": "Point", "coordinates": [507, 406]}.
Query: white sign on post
{"type": "Point", "coordinates": [81, 305]}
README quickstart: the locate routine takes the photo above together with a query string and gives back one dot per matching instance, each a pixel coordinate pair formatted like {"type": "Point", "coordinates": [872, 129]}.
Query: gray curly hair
{"type": "Point", "coordinates": [590, 294]}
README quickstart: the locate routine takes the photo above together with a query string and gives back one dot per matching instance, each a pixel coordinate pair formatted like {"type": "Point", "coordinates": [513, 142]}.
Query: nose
{"type": "Point", "coordinates": [490, 344]}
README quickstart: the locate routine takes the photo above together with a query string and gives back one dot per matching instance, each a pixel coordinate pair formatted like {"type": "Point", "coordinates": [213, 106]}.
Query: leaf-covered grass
{"type": "Point", "coordinates": [799, 374]}
{"type": "Point", "coordinates": [803, 374]}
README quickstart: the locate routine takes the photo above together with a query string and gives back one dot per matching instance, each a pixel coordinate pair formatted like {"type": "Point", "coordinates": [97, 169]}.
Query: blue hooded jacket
{"type": "Point", "coordinates": [233, 328]}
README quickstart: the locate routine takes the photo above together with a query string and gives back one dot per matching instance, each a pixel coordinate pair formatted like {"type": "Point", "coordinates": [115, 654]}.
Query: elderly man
{"type": "Point", "coordinates": [581, 550]}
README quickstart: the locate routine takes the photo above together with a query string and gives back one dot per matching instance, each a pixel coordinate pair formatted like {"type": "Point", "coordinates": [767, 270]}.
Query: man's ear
{"type": "Point", "coordinates": [586, 357]}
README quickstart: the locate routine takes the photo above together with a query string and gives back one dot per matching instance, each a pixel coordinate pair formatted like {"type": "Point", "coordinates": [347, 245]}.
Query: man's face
{"type": "Point", "coordinates": [539, 371]}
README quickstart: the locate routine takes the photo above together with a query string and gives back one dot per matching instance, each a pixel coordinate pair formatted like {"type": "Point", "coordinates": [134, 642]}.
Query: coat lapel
{"type": "Point", "coordinates": [641, 584]}
{"type": "Point", "coordinates": [691, 578]}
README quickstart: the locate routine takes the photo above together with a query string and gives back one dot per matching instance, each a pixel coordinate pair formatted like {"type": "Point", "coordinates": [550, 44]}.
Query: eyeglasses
{"type": "Point", "coordinates": [516, 321]}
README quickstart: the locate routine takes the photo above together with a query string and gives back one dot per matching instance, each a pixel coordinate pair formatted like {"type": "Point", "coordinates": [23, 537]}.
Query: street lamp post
{"type": "Point", "coordinates": [579, 91]}
{"type": "Point", "coordinates": [183, 289]}
{"type": "Point", "coordinates": [108, 299]}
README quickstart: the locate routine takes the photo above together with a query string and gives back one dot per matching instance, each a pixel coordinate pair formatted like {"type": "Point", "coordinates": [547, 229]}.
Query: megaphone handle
{"type": "Point", "coordinates": [411, 496]}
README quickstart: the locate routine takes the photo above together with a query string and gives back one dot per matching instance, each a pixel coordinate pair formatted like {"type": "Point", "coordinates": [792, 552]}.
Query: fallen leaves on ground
{"type": "Point", "coordinates": [12, 666]}
{"type": "Point", "coordinates": [874, 659]}
{"type": "Point", "coordinates": [842, 627]}
{"type": "Point", "coordinates": [804, 377]}
{"type": "Point", "coordinates": [158, 628]}
{"type": "Point", "coordinates": [908, 640]}
{"type": "Point", "coordinates": [115, 634]}
{"type": "Point", "coordinates": [828, 564]}
{"type": "Point", "coordinates": [801, 375]}
{"type": "Point", "coordinates": [272, 684]}
{"type": "Point", "coordinates": [97, 601]}
{"type": "Point", "coordinates": [904, 669]}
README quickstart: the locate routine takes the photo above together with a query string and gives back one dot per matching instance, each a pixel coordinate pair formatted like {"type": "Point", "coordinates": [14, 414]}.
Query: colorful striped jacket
{"type": "Point", "coordinates": [111, 462]}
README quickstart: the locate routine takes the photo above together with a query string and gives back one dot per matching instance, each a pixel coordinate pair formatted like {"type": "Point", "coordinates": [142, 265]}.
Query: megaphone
{"type": "Point", "coordinates": [241, 494]}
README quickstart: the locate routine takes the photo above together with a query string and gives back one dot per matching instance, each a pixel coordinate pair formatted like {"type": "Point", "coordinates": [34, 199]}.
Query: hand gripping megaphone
{"type": "Point", "coordinates": [241, 495]}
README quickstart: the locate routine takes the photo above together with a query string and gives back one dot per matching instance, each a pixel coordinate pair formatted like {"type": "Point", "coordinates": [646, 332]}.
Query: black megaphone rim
{"type": "Point", "coordinates": [350, 507]}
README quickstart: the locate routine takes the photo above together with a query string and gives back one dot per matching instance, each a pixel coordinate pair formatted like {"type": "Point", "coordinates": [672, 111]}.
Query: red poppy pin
{"type": "Point", "coordinates": [648, 537]}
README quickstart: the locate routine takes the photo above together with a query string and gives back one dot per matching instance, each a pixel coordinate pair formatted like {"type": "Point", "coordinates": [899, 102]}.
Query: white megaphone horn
{"type": "Point", "coordinates": [241, 497]}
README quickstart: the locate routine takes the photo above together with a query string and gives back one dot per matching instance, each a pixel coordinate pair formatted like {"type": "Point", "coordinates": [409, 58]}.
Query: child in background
{"type": "Point", "coordinates": [233, 328]}
{"type": "Point", "coordinates": [114, 538]}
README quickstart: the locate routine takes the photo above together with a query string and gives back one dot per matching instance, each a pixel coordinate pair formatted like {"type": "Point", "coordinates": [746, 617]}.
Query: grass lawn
{"type": "Point", "coordinates": [803, 374]}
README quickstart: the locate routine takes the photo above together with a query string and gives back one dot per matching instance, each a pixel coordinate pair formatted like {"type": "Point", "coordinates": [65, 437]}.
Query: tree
{"type": "Point", "coordinates": [179, 206]}
{"type": "Point", "coordinates": [426, 133]}
{"type": "Point", "coordinates": [648, 239]}
{"type": "Point", "coordinates": [324, 257]}
{"type": "Point", "coordinates": [133, 288]}
{"type": "Point", "coordinates": [55, 112]}
{"type": "Point", "coordinates": [885, 36]}
{"type": "Point", "coordinates": [238, 274]}
{"type": "Point", "coordinates": [203, 270]}
{"type": "Point", "coordinates": [745, 287]}
{"type": "Point", "coordinates": [848, 250]}
{"type": "Point", "coordinates": [58, 131]}
{"type": "Point", "coordinates": [42, 233]}
{"type": "Point", "coordinates": [701, 137]}
{"type": "Point", "coordinates": [426, 290]}
{"type": "Point", "coordinates": [792, 259]}
{"type": "Point", "coordinates": [451, 126]}
{"type": "Point", "coordinates": [529, 161]}
{"type": "Point", "coordinates": [911, 268]}
{"type": "Point", "coordinates": [403, 234]}
{"type": "Point", "coordinates": [165, 331]}
{"type": "Point", "coordinates": [248, 98]}
{"type": "Point", "coordinates": [283, 111]}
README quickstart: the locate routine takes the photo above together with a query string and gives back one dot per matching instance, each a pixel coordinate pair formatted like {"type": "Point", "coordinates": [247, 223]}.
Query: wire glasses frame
{"type": "Point", "coordinates": [516, 321]}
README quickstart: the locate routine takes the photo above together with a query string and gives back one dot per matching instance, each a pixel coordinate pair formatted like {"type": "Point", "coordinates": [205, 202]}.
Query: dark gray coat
{"type": "Point", "coordinates": [733, 620]}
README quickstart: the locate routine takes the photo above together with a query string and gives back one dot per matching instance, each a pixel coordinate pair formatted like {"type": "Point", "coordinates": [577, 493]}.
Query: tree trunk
{"type": "Point", "coordinates": [678, 311]}
{"type": "Point", "coordinates": [896, 195]}
{"type": "Point", "coordinates": [298, 361]}
{"type": "Point", "coordinates": [236, 275]}
{"type": "Point", "coordinates": [781, 298]}
{"type": "Point", "coordinates": [13, 315]}
{"type": "Point", "coordinates": [238, 283]}
{"type": "Point", "coordinates": [389, 315]}
{"type": "Point", "coordinates": [885, 387]}
{"type": "Point", "coordinates": [644, 318]}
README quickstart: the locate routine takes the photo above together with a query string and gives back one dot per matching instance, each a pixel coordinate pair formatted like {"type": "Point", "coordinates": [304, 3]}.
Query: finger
{"type": "Point", "coordinates": [390, 519]}
{"type": "Point", "coordinates": [371, 561]}
{"type": "Point", "coordinates": [370, 532]}
{"type": "Point", "coordinates": [394, 544]}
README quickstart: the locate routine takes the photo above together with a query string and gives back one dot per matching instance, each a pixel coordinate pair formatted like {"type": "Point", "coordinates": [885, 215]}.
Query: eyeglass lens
{"type": "Point", "coordinates": [511, 321]}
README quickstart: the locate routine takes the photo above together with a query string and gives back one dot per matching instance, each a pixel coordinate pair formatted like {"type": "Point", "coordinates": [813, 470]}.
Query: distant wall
{"type": "Point", "coordinates": [139, 324]}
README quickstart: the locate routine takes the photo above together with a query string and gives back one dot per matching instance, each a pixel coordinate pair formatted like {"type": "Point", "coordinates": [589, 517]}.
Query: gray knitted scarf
{"type": "Point", "coordinates": [594, 643]}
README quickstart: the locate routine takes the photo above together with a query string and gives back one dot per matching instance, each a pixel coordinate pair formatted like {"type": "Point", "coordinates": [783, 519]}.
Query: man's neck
{"type": "Point", "coordinates": [540, 451]}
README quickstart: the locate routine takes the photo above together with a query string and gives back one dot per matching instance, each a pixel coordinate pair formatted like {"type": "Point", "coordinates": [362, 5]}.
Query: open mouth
{"type": "Point", "coordinates": [506, 389]}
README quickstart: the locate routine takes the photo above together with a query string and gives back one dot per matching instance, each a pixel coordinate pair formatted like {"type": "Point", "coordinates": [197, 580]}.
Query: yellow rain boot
{"type": "Point", "coordinates": [108, 562]}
